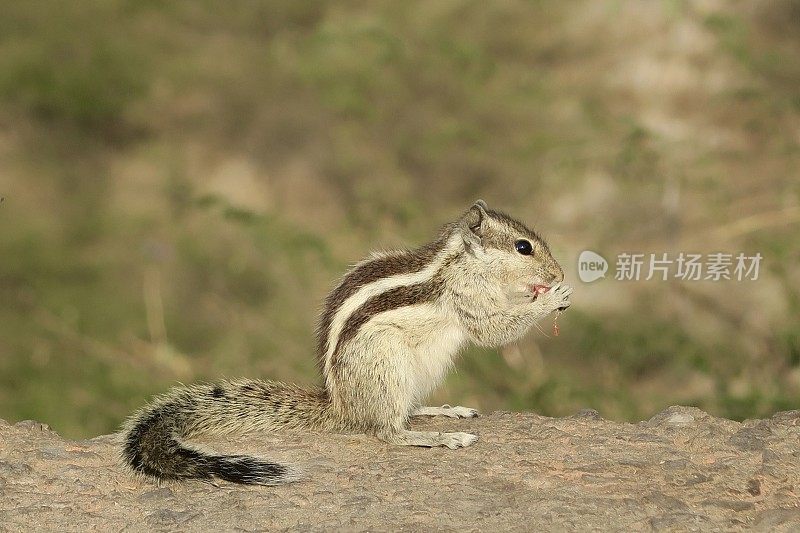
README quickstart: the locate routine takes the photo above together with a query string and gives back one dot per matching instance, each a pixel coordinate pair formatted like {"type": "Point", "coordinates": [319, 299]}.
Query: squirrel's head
{"type": "Point", "coordinates": [508, 253]}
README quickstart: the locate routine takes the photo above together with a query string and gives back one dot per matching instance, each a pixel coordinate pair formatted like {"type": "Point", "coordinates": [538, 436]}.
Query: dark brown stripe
{"type": "Point", "coordinates": [406, 262]}
{"type": "Point", "coordinates": [516, 224]}
{"type": "Point", "coordinates": [396, 298]}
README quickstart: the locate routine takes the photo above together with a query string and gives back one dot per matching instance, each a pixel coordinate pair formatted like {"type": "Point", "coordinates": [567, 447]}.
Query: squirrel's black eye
{"type": "Point", "coordinates": [524, 247]}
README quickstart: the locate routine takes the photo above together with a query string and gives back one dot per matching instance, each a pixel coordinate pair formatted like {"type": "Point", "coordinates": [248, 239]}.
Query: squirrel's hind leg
{"type": "Point", "coordinates": [405, 437]}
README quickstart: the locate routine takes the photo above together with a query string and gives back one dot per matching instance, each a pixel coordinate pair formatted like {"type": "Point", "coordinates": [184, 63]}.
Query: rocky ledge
{"type": "Point", "coordinates": [681, 470]}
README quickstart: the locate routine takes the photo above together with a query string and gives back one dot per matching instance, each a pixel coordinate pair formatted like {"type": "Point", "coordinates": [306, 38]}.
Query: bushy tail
{"type": "Point", "coordinates": [153, 438]}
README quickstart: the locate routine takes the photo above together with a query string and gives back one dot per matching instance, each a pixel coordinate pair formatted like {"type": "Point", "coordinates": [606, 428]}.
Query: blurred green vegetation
{"type": "Point", "coordinates": [184, 182]}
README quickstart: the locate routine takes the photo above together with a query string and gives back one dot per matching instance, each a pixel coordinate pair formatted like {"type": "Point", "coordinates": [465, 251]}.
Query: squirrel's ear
{"type": "Point", "coordinates": [473, 223]}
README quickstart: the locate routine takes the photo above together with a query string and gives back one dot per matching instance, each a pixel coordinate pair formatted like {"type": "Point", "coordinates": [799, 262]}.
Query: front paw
{"type": "Point", "coordinates": [557, 298]}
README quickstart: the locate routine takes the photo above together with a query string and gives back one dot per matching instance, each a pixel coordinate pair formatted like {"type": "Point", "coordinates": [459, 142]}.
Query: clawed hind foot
{"type": "Point", "coordinates": [429, 439]}
{"type": "Point", "coordinates": [446, 410]}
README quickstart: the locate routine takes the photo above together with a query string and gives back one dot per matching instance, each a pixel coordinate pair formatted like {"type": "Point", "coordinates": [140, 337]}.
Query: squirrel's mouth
{"type": "Point", "coordinates": [537, 289]}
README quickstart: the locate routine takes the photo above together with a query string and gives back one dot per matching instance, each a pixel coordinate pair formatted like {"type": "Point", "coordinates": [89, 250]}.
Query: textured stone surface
{"type": "Point", "coordinates": [681, 470]}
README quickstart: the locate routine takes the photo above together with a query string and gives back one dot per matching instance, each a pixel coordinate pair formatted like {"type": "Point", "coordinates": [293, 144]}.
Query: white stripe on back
{"type": "Point", "coordinates": [364, 293]}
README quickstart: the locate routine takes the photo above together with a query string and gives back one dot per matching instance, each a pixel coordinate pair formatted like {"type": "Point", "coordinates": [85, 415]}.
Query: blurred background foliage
{"type": "Point", "coordinates": [184, 181]}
